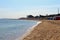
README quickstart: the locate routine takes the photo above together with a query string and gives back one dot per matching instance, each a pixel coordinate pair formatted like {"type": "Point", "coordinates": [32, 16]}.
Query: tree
{"type": "Point", "coordinates": [42, 16]}
{"type": "Point", "coordinates": [36, 16]}
{"type": "Point", "coordinates": [30, 16]}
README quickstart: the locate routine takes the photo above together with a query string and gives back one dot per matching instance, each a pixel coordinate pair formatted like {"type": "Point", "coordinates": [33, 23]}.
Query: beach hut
{"type": "Point", "coordinates": [57, 18]}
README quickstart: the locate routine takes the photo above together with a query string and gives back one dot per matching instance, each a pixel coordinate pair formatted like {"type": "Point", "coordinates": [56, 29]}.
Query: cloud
{"type": "Point", "coordinates": [16, 13]}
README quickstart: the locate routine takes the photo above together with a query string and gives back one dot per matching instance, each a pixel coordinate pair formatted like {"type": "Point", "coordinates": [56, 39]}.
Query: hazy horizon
{"type": "Point", "coordinates": [22, 8]}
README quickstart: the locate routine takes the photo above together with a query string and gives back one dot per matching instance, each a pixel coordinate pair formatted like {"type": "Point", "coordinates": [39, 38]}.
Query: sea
{"type": "Point", "coordinates": [13, 29]}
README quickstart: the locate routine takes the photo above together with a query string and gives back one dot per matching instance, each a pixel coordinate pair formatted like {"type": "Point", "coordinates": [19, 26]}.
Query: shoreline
{"type": "Point", "coordinates": [28, 31]}
{"type": "Point", "coordinates": [47, 30]}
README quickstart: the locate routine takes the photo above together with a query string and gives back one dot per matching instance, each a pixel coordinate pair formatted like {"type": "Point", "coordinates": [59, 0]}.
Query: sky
{"type": "Point", "coordinates": [22, 8]}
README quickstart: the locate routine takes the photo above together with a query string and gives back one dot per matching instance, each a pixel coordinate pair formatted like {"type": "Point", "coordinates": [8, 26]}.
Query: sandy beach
{"type": "Point", "coordinates": [47, 30]}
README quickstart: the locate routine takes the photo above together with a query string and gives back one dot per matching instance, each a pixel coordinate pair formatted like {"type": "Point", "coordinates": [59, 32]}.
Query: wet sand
{"type": "Point", "coordinates": [47, 30]}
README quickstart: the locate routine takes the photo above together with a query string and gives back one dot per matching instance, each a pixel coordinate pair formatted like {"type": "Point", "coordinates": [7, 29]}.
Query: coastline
{"type": "Point", "coordinates": [29, 31]}
{"type": "Point", "coordinates": [47, 30]}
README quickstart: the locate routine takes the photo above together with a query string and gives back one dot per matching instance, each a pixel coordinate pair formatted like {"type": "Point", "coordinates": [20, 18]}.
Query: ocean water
{"type": "Point", "coordinates": [12, 29]}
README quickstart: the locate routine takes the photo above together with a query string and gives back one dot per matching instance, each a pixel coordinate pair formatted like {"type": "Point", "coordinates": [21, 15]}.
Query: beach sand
{"type": "Point", "coordinates": [47, 30]}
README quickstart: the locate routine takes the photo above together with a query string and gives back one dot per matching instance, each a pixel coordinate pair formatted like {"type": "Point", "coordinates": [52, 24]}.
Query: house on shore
{"type": "Point", "coordinates": [54, 16]}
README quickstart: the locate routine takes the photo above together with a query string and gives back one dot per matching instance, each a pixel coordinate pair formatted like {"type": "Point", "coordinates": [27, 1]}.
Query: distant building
{"type": "Point", "coordinates": [57, 18]}
{"type": "Point", "coordinates": [54, 17]}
